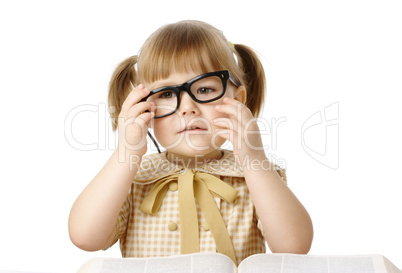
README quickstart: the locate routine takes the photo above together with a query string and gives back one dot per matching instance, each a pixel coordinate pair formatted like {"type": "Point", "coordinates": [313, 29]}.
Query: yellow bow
{"type": "Point", "coordinates": [200, 185]}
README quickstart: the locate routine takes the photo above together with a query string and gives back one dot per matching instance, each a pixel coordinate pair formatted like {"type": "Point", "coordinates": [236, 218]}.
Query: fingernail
{"type": "Point", "coordinates": [217, 107]}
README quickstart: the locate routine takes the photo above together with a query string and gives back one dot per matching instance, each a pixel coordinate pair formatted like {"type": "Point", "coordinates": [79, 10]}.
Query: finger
{"type": "Point", "coordinates": [144, 119]}
{"type": "Point", "coordinates": [236, 110]}
{"type": "Point", "coordinates": [226, 134]}
{"type": "Point", "coordinates": [140, 108]}
{"type": "Point", "coordinates": [226, 123]}
{"type": "Point", "coordinates": [134, 97]}
{"type": "Point", "coordinates": [232, 109]}
{"type": "Point", "coordinates": [141, 121]}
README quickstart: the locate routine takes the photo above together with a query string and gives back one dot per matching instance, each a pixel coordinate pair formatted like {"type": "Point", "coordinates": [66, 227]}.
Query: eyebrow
{"type": "Point", "coordinates": [167, 83]}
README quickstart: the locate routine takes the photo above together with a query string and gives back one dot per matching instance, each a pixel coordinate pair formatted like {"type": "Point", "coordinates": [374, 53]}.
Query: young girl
{"type": "Point", "coordinates": [194, 196]}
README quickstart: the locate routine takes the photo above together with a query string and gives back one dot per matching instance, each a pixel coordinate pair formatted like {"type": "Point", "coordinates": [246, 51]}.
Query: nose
{"type": "Point", "coordinates": [187, 105]}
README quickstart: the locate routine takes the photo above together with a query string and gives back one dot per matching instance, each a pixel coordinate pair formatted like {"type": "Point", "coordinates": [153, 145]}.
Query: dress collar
{"type": "Point", "coordinates": [157, 166]}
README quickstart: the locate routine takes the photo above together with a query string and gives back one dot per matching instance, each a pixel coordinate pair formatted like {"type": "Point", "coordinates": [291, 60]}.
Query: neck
{"type": "Point", "coordinates": [193, 161]}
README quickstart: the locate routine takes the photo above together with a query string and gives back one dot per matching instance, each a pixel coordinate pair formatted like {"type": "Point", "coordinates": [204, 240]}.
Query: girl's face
{"type": "Point", "coordinates": [188, 132]}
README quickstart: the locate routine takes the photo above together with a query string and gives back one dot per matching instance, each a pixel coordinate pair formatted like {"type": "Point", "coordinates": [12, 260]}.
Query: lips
{"type": "Point", "coordinates": [192, 128]}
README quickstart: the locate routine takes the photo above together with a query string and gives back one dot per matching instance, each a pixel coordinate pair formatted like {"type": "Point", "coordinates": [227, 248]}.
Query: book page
{"type": "Point", "coordinates": [190, 263]}
{"type": "Point", "coordinates": [267, 263]}
{"type": "Point", "coordinates": [212, 263]}
{"type": "Point", "coordinates": [391, 267]}
{"type": "Point", "coordinates": [288, 263]}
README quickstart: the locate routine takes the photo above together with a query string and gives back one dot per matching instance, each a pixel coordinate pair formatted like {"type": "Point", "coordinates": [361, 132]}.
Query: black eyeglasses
{"type": "Point", "coordinates": [202, 89]}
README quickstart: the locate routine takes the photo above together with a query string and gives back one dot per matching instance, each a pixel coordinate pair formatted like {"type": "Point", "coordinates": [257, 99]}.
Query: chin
{"type": "Point", "coordinates": [192, 145]}
{"type": "Point", "coordinates": [202, 147]}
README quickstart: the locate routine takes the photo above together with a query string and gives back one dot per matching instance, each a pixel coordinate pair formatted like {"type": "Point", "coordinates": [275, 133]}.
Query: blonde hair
{"type": "Point", "coordinates": [188, 46]}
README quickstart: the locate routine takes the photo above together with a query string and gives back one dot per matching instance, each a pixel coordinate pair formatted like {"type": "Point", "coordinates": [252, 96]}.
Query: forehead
{"type": "Point", "coordinates": [177, 72]}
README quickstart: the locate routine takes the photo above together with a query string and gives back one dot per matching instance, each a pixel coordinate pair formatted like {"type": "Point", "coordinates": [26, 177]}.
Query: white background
{"type": "Point", "coordinates": [58, 55]}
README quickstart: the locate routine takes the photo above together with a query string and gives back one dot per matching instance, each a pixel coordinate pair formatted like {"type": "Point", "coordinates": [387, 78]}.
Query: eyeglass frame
{"type": "Point", "coordinates": [224, 75]}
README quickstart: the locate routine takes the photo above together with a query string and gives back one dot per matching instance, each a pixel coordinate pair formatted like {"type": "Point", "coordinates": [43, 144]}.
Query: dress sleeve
{"type": "Point", "coordinates": [282, 173]}
{"type": "Point", "coordinates": [122, 221]}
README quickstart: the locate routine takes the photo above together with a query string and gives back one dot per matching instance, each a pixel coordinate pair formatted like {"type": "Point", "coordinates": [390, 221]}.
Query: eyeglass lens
{"type": "Point", "coordinates": [204, 89]}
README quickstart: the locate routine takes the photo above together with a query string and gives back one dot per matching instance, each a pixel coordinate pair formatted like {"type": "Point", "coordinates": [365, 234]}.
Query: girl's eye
{"type": "Point", "coordinates": [167, 95]}
{"type": "Point", "coordinates": [205, 90]}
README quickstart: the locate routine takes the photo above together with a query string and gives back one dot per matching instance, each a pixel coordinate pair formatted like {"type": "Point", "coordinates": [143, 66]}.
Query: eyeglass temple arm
{"type": "Point", "coordinates": [154, 141]}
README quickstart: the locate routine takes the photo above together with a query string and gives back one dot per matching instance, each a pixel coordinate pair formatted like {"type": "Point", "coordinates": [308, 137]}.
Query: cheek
{"type": "Point", "coordinates": [165, 130]}
{"type": "Point", "coordinates": [158, 127]}
{"type": "Point", "coordinates": [215, 114]}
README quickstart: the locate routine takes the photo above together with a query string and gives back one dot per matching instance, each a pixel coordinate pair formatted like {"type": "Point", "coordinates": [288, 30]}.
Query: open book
{"type": "Point", "coordinates": [264, 263]}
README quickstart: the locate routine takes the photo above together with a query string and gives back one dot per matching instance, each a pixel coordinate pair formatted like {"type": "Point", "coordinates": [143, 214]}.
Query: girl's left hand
{"type": "Point", "coordinates": [241, 129]}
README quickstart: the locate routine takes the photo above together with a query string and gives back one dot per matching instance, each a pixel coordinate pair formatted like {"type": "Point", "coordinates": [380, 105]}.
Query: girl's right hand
{"type": "Point", "coordinates": [133, 122]}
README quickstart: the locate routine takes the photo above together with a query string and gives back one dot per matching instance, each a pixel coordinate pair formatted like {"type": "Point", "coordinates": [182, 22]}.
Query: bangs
{"type": "Point", "coordinates": [184, 47]}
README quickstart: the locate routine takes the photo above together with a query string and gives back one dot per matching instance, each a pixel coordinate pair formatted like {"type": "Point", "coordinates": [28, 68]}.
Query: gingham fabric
{"type": "Point", "coordinates": [145, 235]}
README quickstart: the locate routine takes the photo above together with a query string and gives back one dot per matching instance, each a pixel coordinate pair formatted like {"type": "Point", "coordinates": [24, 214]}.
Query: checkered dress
{"type": "Point", "coordinates": [145, 235]}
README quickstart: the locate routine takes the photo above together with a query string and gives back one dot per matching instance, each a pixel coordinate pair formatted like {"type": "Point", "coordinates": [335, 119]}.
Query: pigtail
{"type": "Point", "coordinates": [121, 84]}
{"type": "Point", "coordinates": [254, 77]}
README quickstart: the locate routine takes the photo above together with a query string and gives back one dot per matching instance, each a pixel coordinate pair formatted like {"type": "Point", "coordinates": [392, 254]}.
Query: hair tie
{"type": "Point", "coordinates": [233, 51]}
{"type": "Point", "coordinates": [231, 46]}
